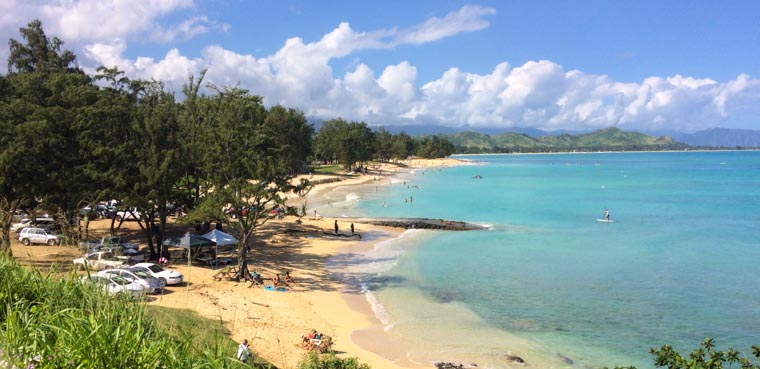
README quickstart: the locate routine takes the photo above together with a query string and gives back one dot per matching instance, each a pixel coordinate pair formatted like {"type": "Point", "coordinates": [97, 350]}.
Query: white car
{"type": "Point", "coordinates": [26, 222]}
{"type": "Point", "coordinates": [30, 235]}
{"type": "Point", "coordinates": [170, 277]}
{"type": "Point", "coordinates": [150, 284]}
{"type": "Point", "coordinates": [115, 284]}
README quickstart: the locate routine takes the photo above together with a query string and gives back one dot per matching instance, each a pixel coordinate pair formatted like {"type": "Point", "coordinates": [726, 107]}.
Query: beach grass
{"type": "Point", "coordinates": [329, 169]}
{"type": "Point", "coordinates": [51, 322]}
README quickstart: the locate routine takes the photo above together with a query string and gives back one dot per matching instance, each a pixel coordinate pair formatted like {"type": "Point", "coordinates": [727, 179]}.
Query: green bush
{"type": "Point", "coordinates": [330, 361]}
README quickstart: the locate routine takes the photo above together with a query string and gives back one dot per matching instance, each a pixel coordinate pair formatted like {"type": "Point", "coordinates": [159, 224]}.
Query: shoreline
{"type": "Point", "coordinates": [273, 322]}
{"type": "Point", "coordinates": [416, 344]}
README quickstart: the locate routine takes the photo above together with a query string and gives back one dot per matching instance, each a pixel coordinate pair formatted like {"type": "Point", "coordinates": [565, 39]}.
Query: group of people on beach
{"type": "Point", "coordinates": [315, 340]}
{"type": "Point", "coordinates": [285, 281]}
{"type": "Point", "coordinates": [337, 229]}
{"type": "Point", "coordinates": [278, 281]}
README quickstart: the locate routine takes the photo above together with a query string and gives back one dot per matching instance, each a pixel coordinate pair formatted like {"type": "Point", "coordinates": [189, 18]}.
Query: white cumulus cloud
{"type": "Point", "coordinates": [538, 93]}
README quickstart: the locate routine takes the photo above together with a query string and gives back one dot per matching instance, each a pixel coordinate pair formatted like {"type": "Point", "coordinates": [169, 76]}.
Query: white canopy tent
{"type": "Point", "coordinates": [221, 238]}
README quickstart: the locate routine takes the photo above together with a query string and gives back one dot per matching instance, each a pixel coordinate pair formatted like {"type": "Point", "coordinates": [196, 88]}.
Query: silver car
{"type": "Point", "coordinates": [32, 235]}
{"type": "Point", "coordinates": [151, 284]}
{"type": "Point", "coordinates": [114, 284]}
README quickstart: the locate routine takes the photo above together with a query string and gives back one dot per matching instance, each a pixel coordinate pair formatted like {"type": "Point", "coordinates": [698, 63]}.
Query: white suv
{"type": "Point", "coordinates": [30, 235]}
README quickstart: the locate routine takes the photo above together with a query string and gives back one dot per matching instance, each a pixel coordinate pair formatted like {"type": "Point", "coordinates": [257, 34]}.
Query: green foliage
{"type": "Point", "coordinates": [39, 54]}
{"type": "Point", "coordinates": [330, 361]}
{"type": "Point", "coordinates": [327, 169]}
{"type": "Point", "coordinates": [435, 147]}
{"type": "Point", "coordinates": [60, 323]}
{"type": "Point", "coordinates": [705, 357]}
{"type": "Point", "coordinates": [347, 143]}
{"type": "Point", "coordinates": [292, 134]}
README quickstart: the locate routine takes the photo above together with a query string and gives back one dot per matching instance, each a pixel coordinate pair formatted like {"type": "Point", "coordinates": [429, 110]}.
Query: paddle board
{"type": "Point", "coordinates": [605, 220]}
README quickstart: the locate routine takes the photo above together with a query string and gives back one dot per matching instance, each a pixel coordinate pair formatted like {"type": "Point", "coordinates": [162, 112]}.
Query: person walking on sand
{"type": "Point", "coordinates": [336, 226]}
{"type": "Point", "coordinates": [352, 228]}
{"type": "Point", "coordinates": [243, 351]}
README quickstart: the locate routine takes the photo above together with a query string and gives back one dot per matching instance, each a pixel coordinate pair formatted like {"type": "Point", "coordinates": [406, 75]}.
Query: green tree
{"type": "Point", "coordinates": [39, 53]}
{"type": "Point", "coordinates": [383, 144]}
{"type": "Point", "coordinates": [357, 144]}
{"type": "Point", "coordinates": [45, 99]}
{"type": "Point", "coordinates": [403, 146]}
{"type": "Point", "coordinates": [292, 133]}
{"type": "Point", "coordinates": [435, 147]}
{"type": "Point", "coordinates": [244, 166]}
{"type": "Point", "coordinates": [153, 164]}
{"type": "Point", "coordinates": [327, 141]}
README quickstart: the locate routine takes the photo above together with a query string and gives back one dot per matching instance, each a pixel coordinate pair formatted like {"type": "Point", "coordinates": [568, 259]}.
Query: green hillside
{"type": "Point", "coordinates": [608, 139]}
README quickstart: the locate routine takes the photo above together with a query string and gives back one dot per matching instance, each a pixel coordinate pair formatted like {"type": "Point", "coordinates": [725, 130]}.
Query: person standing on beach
{"type": "Point", "coordinates": [243, 351]}
{"type": "Point", "coordinates": [336, 226]}
{"type": "Point", "coordinates": [352, 228]}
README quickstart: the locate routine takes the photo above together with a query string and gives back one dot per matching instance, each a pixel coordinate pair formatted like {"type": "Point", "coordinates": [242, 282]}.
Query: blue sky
{"type": "Point", "coordinates": [637, 65]}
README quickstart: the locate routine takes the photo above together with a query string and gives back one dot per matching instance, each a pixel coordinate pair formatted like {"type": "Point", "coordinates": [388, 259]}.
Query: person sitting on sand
{"type": "Point", "coordinates": [306, 339]}
{"type": "Point", "coordinates": [278, 282]}
{"type": "Point", "coordinates": [289, 280]}
{"type": "Point", "coordinates": [256, 279]}
{"type": "Point", "coordinates": [314, 341]}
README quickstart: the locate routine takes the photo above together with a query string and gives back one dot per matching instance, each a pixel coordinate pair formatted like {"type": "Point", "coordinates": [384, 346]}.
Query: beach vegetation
{"type": "Point", "coordinates": [328, 169]}
{"type": "Point", "coordinates": [344, 142]}
{"type": "Point", "coordinates": [244, 162]}
{"type": "Point", "coordinates": [110, 137]}
{"type": "Point", "coordinates": [704, 357]}
{"type": "Point", "coordinates": [329, 361]}
{"type": "Point", "coordinates": [52, 322]}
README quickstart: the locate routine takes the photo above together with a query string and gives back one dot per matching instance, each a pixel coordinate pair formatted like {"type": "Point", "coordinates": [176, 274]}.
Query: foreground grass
{"type": "Point", "coordinates": [49, 322]}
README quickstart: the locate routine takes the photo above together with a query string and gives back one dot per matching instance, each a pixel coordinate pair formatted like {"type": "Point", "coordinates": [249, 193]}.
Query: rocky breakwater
{"type": "Point", "coordinates": [418, 223]}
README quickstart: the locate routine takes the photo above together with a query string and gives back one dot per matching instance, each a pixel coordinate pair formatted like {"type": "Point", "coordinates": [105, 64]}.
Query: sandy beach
{"type": "Point", "coordinates": [274, 321]}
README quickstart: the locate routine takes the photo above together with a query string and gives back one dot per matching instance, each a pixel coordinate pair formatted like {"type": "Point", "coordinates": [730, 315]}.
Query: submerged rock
{"type": "Point", "coordinates": [514, 359]}
{"type": "Point", "coordinates": [443, 365]}
{"type": "Point", "coordinates": [565, 359]}
{"type": "Point", "coordinates": [419, 223]}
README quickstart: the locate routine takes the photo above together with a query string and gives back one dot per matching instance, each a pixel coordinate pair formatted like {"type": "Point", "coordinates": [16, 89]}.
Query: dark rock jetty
{"type": "Point", "coordinates": [418, 223]}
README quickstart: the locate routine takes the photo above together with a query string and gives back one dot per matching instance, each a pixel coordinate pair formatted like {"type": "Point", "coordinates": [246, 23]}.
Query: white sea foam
{"type": "Point", "coordinates": [378, 260]}
{"type": "Point", "coordinates": [377, 308]}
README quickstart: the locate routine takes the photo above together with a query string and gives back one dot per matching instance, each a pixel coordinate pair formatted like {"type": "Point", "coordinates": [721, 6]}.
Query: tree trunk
{"type": "Point", "coordinates": [243, 273]}
{"type": "Point", "coordinates": [5, 246]}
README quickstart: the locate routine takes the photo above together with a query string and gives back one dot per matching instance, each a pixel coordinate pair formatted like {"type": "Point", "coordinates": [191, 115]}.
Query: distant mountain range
{"type": "Point", "coordinates": [526, 137]}
{"type": "Point", "coordinates": [721, 137]}
{"type": "Point", "coordinates": [608, 139]}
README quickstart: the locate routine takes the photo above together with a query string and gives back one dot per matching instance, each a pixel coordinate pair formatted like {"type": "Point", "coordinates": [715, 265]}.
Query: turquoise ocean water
{"type": "Point", "coordinates": [681, 261]}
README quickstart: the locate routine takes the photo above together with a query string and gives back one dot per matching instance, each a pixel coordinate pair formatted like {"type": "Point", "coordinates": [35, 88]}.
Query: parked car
{"type": "Point", "coordinates": [170, 277]}
{"type": "Point", "coordinates": [41, 222]}
{"type": "Point", "coordinates": [115, 284]}
{"type": "Point", "coordinates": [99, 211]}
{"type": "Point", "coordinates": [151, 284]}
{"type": "Point", "coordinates": [30, 235]}
{"type": "Point", "coordinates": [109, 242]}
{"type": "Point", "coordinates": [99, 261]}
{"type": "Point", "coordinates": [128, 214]}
